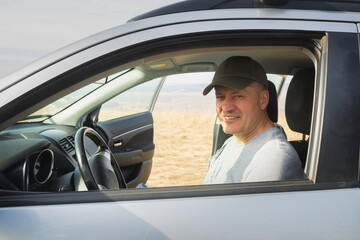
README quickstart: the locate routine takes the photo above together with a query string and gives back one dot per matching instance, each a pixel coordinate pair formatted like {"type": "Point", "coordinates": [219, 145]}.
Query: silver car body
{"type": "Point", "coordinates": [286, 213]}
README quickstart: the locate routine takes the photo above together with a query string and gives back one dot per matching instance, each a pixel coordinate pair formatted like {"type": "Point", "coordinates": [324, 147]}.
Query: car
{"type": "Point", "coordinates": [81, 129]}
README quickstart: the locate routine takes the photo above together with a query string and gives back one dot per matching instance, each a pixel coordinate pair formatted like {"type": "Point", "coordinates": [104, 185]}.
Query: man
{"type": "Point", "coordinates": [258, 150]}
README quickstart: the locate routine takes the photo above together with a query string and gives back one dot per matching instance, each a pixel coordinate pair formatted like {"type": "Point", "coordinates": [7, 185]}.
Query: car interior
{"type": "Point", "coordinates": [58, 150]}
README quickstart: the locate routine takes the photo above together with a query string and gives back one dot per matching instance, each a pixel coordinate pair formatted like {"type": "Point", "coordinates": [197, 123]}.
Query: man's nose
{"type": "Point", "coordinates": [227, 105]}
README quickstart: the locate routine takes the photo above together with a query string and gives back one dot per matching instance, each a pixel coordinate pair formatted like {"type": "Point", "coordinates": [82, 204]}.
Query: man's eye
{"type": "Point", "coordinates": [238, 96]}
{"type": "Point", "coordinates": [220, 97]}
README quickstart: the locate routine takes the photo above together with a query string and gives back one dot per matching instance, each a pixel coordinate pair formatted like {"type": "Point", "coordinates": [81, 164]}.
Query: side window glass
{"type": "Point", "coordinates": [134, 100]}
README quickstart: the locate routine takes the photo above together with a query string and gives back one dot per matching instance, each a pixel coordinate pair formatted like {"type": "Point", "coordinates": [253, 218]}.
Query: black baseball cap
{"type": "Point", "coordinates": [238, 72]}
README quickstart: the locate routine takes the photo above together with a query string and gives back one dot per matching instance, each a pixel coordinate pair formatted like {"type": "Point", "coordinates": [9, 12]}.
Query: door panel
{"type": "Point", "coordinates": [326, 214]}
{"type": "Point", "coordinates": [131, 140]}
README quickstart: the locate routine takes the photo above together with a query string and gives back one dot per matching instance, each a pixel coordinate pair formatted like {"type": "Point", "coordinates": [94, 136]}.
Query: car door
{"type": "Point", "coordinates": [324, 206]}
{"type": "Point", "coordinates": [126, 123]}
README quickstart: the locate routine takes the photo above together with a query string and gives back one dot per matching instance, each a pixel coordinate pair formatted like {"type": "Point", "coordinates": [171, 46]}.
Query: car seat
{"type": "Point", "coordinates": [298, 109]}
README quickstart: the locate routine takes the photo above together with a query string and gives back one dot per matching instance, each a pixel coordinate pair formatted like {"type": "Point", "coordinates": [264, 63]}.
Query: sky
{"type": "Point", "coordinates": [32, 29]}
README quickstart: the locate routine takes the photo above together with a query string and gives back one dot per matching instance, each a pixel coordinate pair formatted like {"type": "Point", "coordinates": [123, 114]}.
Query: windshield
{"type": "Point", "coordinates": [64, 102]}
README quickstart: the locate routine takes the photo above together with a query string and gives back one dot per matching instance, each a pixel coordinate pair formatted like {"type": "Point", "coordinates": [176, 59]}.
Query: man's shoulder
{"type": "Point", "coordinates": [266, 136]}
{"type": "Point", "coordinates": [274, 143]}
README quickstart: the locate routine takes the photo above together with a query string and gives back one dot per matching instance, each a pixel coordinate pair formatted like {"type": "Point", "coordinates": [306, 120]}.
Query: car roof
{"type": "Point", "coordinates": [198, 5]}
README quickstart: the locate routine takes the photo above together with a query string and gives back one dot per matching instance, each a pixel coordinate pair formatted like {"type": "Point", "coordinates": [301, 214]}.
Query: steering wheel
{"type": "Point", "coordinates": [100, 171]}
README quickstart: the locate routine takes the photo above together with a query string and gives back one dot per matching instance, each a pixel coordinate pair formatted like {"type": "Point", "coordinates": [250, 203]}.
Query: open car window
{"type": "Point", "coordinates": [154, 118]}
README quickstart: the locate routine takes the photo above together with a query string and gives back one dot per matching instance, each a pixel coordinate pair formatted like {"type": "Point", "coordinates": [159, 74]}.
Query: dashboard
{"type": "Point", "coordinates": [39, 157]}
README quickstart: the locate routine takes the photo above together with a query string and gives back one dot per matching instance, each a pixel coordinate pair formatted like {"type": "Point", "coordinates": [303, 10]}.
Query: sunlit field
{"type": "Point", "coordinates": [183, 143]}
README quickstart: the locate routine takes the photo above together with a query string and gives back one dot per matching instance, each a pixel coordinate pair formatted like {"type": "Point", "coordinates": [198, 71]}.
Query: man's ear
{"type": "Point", "coordinates": [264, 99]}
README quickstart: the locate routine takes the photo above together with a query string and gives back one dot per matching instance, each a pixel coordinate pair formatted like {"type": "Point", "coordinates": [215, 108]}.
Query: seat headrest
{"type": "Point", "coordinates": [299, 101]}
{"type": "Point", "coordinates": [272, 108]}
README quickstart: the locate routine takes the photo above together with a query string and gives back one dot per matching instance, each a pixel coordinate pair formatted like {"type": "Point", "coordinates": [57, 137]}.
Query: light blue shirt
{"type": "Point", "coordinates": [266, 157]}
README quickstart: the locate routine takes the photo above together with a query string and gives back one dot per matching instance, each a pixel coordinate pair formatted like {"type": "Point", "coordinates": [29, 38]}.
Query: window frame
{"type": "Point", "coordinates": [325, 147]}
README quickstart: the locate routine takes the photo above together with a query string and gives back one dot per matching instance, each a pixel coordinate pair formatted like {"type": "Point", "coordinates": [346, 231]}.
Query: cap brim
{"type": "Point", "coordinates": [230, 82]}
{"type": "Point", "coordinates": [208, 89]}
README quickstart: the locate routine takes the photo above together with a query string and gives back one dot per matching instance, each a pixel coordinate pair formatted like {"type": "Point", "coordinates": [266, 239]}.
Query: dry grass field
{"type": "Point", "coordinates": [183, 142]}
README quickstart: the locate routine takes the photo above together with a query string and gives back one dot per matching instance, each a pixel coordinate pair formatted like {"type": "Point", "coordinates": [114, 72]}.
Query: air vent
{"type": "Point", "coordinates": [68, 144]}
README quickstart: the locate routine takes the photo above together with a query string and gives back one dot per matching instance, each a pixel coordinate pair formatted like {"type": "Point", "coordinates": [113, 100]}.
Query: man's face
{"type": "Point", "coordinates": [240, 111]}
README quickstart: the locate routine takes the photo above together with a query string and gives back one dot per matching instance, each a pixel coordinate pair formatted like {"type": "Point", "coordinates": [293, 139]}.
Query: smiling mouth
{"type": "Point", "coordinates": [231, 118]}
